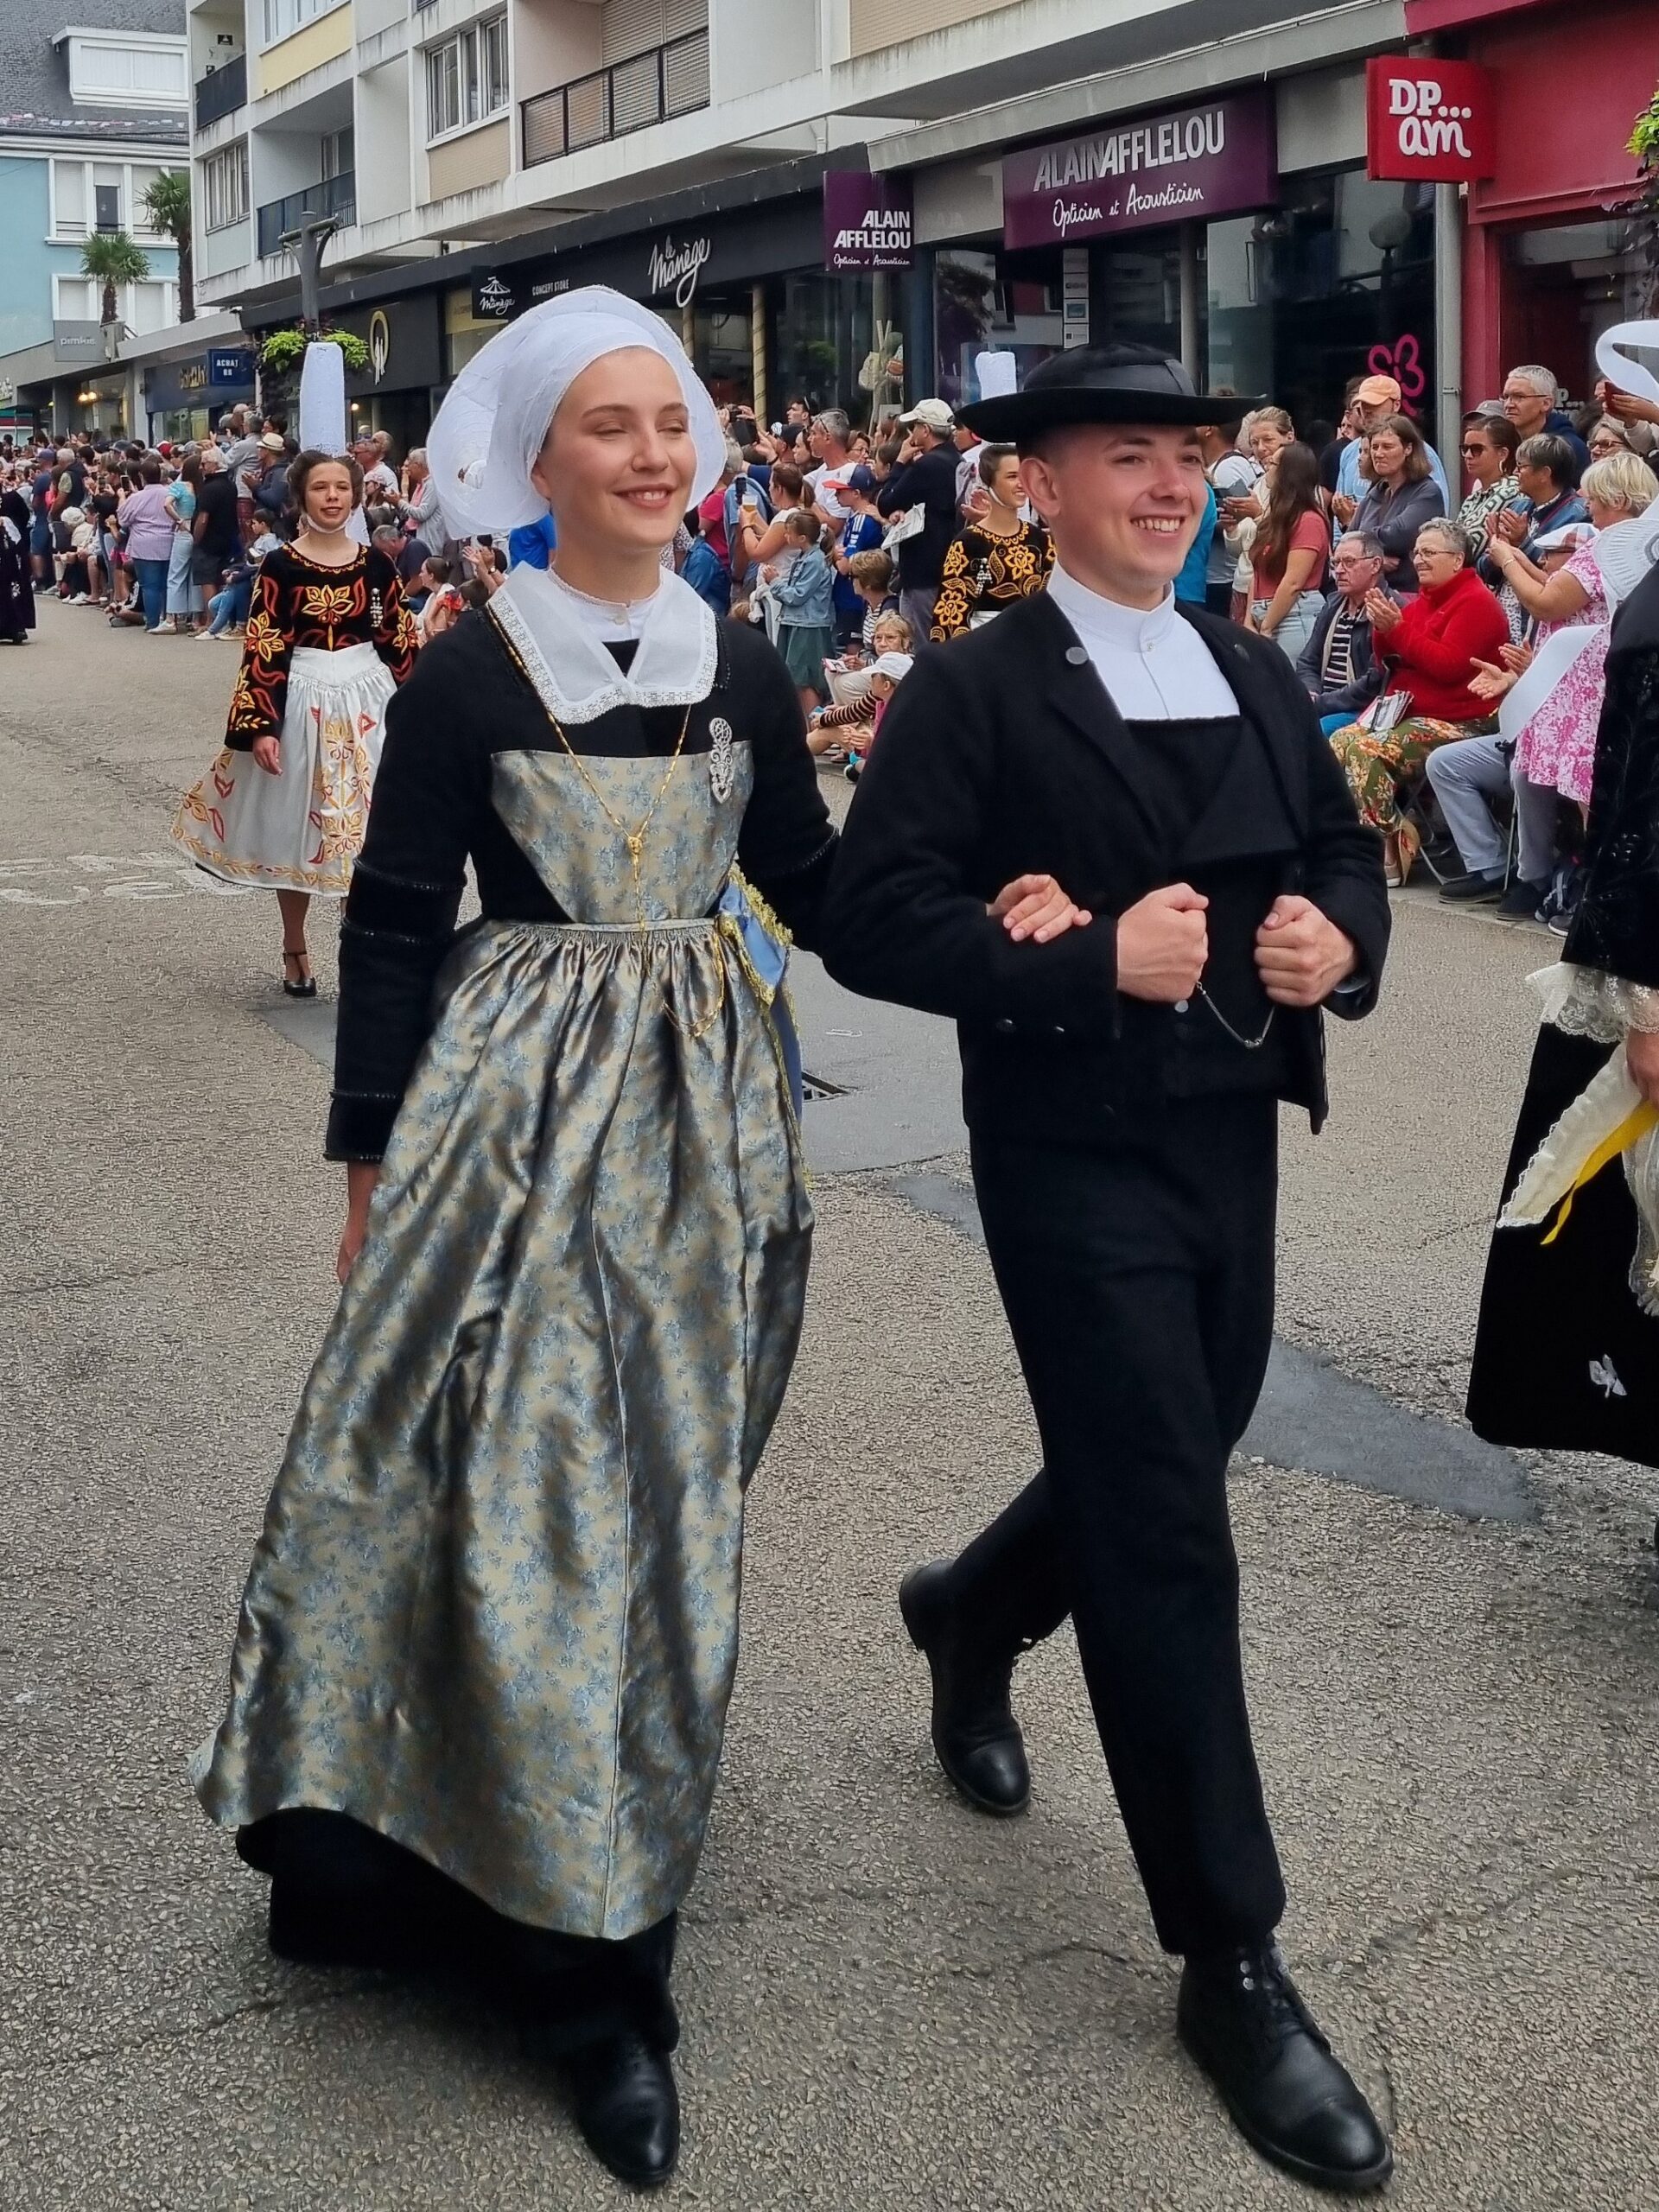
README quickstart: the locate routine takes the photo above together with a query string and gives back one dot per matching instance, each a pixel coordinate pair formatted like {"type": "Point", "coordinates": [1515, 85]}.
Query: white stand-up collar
{"type": "Point", "coordinates": [1155, 667]}
{"type": "Point", "coordinates": [1107, 621]}
{"type": "Point", "coordinates": [561, 636]}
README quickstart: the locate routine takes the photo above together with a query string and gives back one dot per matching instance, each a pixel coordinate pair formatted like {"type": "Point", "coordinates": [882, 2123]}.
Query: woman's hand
{"type": "Point", "coordinates": [1383, 611]}
{"type": "Point", "coordinates": [1491, 683]}
{"type": "Point", "coordinates": [268, 753]}
{"type": "Point", "coordinates": [361, 1176]}
{"type": "Point", "coordinates": [1642, 1058]}
{"type": "Point", "coordinates": [1034, 907]}
{"type": "Point", "coordinates": [1509, 528]}
{"type": "Point", "coordinates": [1517, 658]}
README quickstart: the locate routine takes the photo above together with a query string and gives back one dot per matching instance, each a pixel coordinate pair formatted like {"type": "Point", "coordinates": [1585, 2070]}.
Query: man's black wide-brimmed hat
{"type": "Point", "coordinates": [1101, 384]}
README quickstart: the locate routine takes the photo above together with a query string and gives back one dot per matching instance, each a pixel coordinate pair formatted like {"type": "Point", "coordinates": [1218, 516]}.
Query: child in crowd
{"type": "Point", "coordinates": [74, 583]}
{"type": "Point", "coordinates": [433, 580]}
{"type": "Point", "coordinates": [853, 727]}
{"type": "Point", "coordinates": [872, 575]}
{"type": "Point", "coordinates": [229, 604]}
{"type": "Point", "coordinates": [806, 609]}
{"type": "Point", "coordinates": [431, 575]}
{"type": "Point", "coordinates": [891, 633]}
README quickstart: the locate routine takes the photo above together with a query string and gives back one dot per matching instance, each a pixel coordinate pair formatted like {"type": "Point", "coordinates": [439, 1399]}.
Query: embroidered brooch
{"type": "Point", "coordinates": [720, 759]}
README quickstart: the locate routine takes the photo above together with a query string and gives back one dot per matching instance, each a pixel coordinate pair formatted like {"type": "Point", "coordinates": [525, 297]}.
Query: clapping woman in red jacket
{"type": "Point", "coordinates": [1431, 646]}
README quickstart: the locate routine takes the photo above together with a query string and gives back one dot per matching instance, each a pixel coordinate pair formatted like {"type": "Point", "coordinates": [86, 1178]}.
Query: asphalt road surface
{"type": "Point", "coordinates": [887, 2002]}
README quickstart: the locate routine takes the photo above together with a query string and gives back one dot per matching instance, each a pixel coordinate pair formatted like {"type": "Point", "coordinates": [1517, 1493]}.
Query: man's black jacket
{"type": "Point", "coordinates": [928, 482]}
{"type": "Point", "coordinates": [1000, 756]}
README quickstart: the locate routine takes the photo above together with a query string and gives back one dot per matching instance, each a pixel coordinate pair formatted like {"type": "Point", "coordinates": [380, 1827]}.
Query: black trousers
{"type": "Point", "coordinates": [1138, 1283]}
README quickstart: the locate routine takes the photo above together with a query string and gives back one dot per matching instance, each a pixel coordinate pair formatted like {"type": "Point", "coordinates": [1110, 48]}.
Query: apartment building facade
{"type": "Point", "coordinates": [92, 107]}
{"type": "Point", "coordinates": [1189, 172]}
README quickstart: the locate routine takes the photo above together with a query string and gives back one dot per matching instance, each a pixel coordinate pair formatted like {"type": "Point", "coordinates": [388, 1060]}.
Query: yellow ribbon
{"type": "Point", "coordinates": [1630, 1130]}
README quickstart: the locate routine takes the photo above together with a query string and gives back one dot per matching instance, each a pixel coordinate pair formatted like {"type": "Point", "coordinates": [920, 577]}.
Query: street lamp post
{"type": "Point", "coordinates": [306, 240]}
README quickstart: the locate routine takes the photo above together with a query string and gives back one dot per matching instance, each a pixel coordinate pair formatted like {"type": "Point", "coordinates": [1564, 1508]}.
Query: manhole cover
{"type": "Point", "coordinates": [819, 1086]}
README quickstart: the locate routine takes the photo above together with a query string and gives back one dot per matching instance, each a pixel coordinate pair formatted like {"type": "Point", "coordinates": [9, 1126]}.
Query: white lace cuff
{"type": "Point", "coordinates": [1586, 1002]}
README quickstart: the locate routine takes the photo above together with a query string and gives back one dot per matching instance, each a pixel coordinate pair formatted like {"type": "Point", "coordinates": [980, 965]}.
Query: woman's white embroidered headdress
{"type": "Point", "coordinates": [495, 415]}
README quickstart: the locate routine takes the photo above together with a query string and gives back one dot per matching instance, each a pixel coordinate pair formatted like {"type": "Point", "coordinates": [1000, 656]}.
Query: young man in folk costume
{"type": "Point", "coordinates": [1122, 1086]}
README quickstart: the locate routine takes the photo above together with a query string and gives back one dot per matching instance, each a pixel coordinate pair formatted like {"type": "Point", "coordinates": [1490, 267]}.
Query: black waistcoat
{"type": "Point", "coordinates": [1225, 829]}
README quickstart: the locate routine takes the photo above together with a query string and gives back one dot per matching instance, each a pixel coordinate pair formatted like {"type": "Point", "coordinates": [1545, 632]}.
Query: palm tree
{"type": "Point", "coordinates": [111, 258]}
{"type": "Point", "coordinates": [167, 203]}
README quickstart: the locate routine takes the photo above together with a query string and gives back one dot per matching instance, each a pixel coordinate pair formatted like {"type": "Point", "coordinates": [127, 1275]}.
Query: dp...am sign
{"type": "Point", "coordinates": [1428, 121]}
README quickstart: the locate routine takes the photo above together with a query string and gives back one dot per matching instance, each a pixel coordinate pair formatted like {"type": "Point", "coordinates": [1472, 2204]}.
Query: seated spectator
{"type": "Point", "coordinates": [1288, 550]}
{"type": "Point", "coordinates": [872, 575]}
{"type": "Point", "coordinates": [1488, 449]}
{"type": "Point", "coordinates": [1431, 647]}
{"type": "Point", "coordinates": [1548, 473]}
{"type": "Point", "coordinates": [431, 575]}
{"type": "Point", "coordinates": [1529, 397]}
{"type": "Point", "coordinates": [891, 633]}
{"type": "Point", "coordinates": [1607, 436]}
{"type": "Point", "coordinates": [1400, 496]}
{"type": "Point", "coordinates": [1560, 589]}
{"type": "Point", "coordinates": [995, 560]}
{"type": "Point", "coordinates": [1338, 665]}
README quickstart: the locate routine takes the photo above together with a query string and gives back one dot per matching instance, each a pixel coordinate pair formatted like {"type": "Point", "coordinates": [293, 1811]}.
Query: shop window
{"type": "Point", "coordinates": [836, 341]}
{"type": "Point", "coordinates": [992, 301]}
{"type": "Point", "coordinates": [1336, 283]}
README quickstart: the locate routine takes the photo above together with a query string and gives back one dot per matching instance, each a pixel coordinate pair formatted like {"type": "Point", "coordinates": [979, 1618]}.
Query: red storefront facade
{"type": "Point", "coordinates": [1547, 264]}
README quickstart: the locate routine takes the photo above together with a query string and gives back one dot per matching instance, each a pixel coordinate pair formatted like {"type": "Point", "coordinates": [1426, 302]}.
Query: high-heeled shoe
{"type": "Point", "coordinates": [304, 987]}
{"type": "Point", "coordinates": [1400, 849]}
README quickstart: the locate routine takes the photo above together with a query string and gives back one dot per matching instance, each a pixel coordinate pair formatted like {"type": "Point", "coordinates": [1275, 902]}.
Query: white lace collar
{"type": "Point", "coordinates": [566, 660]}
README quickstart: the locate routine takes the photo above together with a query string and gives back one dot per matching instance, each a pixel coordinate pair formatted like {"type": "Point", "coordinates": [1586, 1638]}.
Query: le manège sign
{"type": "Point", "coordinates": [1219, 158]}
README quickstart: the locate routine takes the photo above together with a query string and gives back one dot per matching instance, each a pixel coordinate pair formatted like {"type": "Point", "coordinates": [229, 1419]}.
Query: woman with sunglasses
{"type": "Point", "coordinates": [1488, 451]}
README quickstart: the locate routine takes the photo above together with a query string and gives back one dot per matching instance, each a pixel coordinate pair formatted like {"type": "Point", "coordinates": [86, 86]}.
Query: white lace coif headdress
{"type": "Point", "coordinates": [495, 415]}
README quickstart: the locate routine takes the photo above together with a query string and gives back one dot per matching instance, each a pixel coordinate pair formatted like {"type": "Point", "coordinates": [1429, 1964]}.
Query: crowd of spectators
{"type": "Point", "coordinates": [1412, 616]}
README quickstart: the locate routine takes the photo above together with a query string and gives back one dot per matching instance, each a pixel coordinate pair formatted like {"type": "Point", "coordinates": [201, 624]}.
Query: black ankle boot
{"type": "Point", "coordinates": [1242, 2018]}
{"type": "Point", "coordinates": [975, 1733]}
{"type": "Point", "coordinates": [627, 2108]}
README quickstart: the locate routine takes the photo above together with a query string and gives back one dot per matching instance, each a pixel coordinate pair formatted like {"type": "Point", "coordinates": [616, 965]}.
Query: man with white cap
{"type": "Point", "coordinates": [1121, 1084]}
{"type": "Point", "coordinates": [923, 488]}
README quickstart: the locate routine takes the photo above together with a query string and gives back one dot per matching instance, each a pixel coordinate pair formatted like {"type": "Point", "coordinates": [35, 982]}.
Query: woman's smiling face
{"type": "Point", "coordinates": [619, 461]}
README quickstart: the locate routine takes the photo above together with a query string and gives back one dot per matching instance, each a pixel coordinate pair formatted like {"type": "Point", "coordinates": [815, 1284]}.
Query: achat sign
{"type": "Point", "coordinates": [1429, 121]}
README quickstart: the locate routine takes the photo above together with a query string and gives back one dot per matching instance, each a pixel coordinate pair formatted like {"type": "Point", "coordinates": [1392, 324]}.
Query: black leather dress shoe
{"type": "Point", "coordinates": [975, 1733]}
{"type": "Point", "coordinates": [1242, 2018]}
{"type": "Point", "coordinates": [628, 2109]}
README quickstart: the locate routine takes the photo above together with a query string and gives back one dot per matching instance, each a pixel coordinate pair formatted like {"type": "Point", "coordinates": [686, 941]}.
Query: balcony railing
{"type": "Point", "coordinates": [221, 92]}
{"type": "Point", "coordinates": [665, 80]}
{"type": "Point", "coordinates": [334, 195]}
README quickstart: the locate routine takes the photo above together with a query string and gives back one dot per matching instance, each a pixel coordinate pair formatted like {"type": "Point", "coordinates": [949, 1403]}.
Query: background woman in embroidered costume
{"type": "Point", "coordinates": [328, 639]}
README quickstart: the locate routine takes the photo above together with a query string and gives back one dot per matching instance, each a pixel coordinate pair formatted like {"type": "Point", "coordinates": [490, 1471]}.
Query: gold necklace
{"type": "Point", "coordinates": [633, 839]}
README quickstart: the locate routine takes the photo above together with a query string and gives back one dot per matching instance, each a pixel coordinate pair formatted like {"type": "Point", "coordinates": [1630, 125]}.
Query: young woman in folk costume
{"type": "Point", "coordinates": [328, 639]}
{"type": "Point", "coordinates": [480, 1680]}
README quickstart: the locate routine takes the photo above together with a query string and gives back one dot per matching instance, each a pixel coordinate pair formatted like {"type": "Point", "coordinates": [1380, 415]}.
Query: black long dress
{"type": "Point", "coordinates": [16, 584]}
{"type": "Point", "coordinates": [1565, 1358]}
